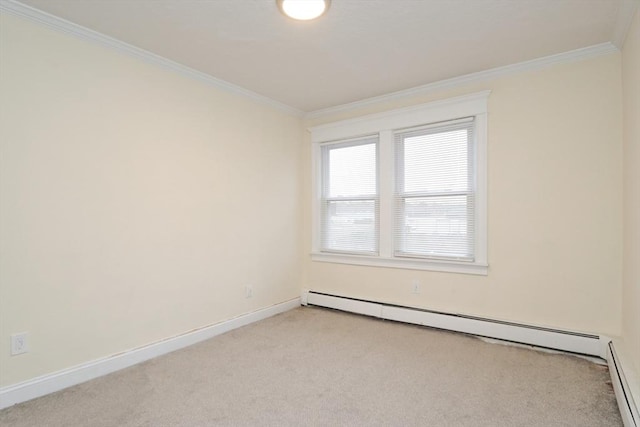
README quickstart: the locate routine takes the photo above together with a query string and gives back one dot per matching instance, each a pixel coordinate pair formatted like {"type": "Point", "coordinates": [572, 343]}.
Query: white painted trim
{"type": "Point", "coordinates": [481, 76]}
{"type": "Point", "coordinates": [482, 190]}
{"type": "Point", "coordinates": [623, 390]}
{"type": "Point", "coordinates": [622, 25]}
{"type": "Point", "coordinates": [406, 263]}
{"type": "Point", "coordinates": [386, 188]}
{"type": "Point", "coordinates": [316, 195]}
{"type": "Point", "coordinates": [303, 296]}
{"type": "Point", "coordinates": [416, 115]}
{"type": "Point", "coordinates": [384, 124]}
{"type": "Point", "coordinates": [53, 22]}
{"type": "Point", "coordinates": [574, 342]}
{"type": "Point", "coordinates": [626, 12]}
{"type": "Point", "coordinates": [53, 382]}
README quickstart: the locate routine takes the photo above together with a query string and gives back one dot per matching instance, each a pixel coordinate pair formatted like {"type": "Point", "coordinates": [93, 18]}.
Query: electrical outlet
{"type": "Point", "coordinates": [415, 287]}
{"type": "Point", "coordinates": [248, 291]}
{"type": "Point", "coordinates": [19, 344]}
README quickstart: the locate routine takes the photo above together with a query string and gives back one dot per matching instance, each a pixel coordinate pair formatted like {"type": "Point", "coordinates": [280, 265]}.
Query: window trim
{"type": "Point", "coordinates": [324, 199]}
{"type": "Point", "coordinates": [401, 195]}
{"type": "Point", "coordinates": [385, 124]}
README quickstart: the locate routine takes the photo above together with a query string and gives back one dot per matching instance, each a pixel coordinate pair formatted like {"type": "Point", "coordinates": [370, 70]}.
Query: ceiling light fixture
{"type": "Point", "coordinates": [303, 10]}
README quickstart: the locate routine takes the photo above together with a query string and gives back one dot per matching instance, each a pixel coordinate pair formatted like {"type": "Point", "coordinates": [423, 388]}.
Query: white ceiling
{"type": "Point", "coordinates": [360, 49]}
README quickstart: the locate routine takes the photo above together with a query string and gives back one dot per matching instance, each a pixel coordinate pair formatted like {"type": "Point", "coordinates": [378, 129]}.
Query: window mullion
{"type": "Point", "coordinates": [386, 182]}
{"type": "Point", "coordinates": [414, 215]}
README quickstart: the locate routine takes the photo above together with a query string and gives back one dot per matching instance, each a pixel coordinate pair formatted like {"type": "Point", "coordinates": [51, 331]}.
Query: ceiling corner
{"type": "Point", "coordinates": [626, 12]}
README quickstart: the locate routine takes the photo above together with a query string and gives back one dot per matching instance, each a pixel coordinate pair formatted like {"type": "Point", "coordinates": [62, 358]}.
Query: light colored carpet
{"type": "Point", "coordinates": [317, 367]}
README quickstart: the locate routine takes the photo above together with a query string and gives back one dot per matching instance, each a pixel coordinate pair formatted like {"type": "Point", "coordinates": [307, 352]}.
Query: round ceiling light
{"type": "Point", "coordinates": [303, 10]}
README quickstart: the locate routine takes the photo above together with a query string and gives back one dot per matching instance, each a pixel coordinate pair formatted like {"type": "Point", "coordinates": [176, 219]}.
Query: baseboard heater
{"type": "Point", "coordinates": [574, 342]}
{"type": "Point", "coordinates": [626, 403]}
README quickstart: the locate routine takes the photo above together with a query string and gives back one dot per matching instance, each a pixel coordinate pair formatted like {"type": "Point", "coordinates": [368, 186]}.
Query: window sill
{"type": "Point", "coordinates": [405, 263]}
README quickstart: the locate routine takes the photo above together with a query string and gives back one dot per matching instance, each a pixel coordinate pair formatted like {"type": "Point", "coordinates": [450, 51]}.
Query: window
{"type": "Point", "coordinates": [410, 193]}
{"type": "Point", "coordinates": [350, 197]}
{"type": "Point", "coordinates": [435, 191]}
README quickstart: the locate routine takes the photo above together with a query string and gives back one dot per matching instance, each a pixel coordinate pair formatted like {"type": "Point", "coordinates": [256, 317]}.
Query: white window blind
{"type": "Point", "coordinates": [412, 195]}
{"type": "Point", "coordinates": [350, 205]}
{"type": "Point", "coordinates": [435, 198]}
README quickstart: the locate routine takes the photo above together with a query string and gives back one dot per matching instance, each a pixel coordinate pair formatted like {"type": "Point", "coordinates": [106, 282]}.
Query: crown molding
{"type": "Point", "coordinates": [456, 107]}
{"type": "Point", "coordinates": [534, 64]}
{"type": "Point", "coordinates": [626, 11]}
{"type": "Point", "coordinates": [623, 22]}
{"type": "Point", "coordinates": [35, 15]}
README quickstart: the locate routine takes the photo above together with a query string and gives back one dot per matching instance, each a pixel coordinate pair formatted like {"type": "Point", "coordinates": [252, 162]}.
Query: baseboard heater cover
{"type": "Point", "coordinates": [574, 342]}
{"type": "Point", "coordinates": [626, 403]}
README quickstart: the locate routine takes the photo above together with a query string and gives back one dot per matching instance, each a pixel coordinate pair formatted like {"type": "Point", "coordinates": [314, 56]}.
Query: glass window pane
{"type": "Point", "coordinates": [436, 162]}
{"type": "Point", "coordinates": [350, 226]}
{"type": "Point", "coordinates": [352, 171]}
{"type": "Point", "coordinates": [436, 226]}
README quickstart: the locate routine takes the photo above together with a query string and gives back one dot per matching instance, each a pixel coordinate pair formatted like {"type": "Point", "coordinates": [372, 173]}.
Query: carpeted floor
{"type": "Point", "coordinates": [318, 367]}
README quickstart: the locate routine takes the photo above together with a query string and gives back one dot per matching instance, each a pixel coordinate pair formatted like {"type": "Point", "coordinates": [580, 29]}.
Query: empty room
{"type": "Point", "coordinates": [320, 212]}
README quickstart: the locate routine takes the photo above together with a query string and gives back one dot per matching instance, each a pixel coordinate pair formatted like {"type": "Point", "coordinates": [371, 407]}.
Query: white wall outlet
{"type": "Point", "coordinates": [248, 291]}
{"type": "Point", "coordinates": [19, 344]}
{"type": "Point", "coordinates": [415, 287]}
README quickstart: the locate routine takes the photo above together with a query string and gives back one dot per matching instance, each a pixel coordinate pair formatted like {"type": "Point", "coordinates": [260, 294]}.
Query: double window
{"type": "Point", "coordinates": [404, 189]}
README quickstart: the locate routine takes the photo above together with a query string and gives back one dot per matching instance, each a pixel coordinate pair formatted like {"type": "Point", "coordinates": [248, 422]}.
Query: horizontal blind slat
{"type": "Point", "coordinates": [350, 202]}
{"type": "Point", "coordinates": [434, 200]}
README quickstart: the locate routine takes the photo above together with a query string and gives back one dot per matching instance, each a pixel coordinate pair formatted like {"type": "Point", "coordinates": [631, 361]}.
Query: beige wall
{"type": "Point", "coordinates": [135, 203]}
{"type": "Point", "coordinates": [554, 207]}
{"type": "Point", "coordinates": [631, 271]}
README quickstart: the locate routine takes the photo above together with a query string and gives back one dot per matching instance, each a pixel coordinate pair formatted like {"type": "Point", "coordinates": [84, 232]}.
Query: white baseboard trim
{"type": "Point", "coordinates": [574, 342]}
{"type": "Point", "coordinates": [622, 388]}
{"type": "Point", "coordinates": [50, 383]}
{"type": "Point", "coordinates": [626, 385]}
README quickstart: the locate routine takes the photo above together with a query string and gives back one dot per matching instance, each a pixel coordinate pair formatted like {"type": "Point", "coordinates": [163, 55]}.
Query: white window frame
{"type": "Point", "coordinates": [384, 124]}
{"type": "Point", "coordinates": [375, 198]}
